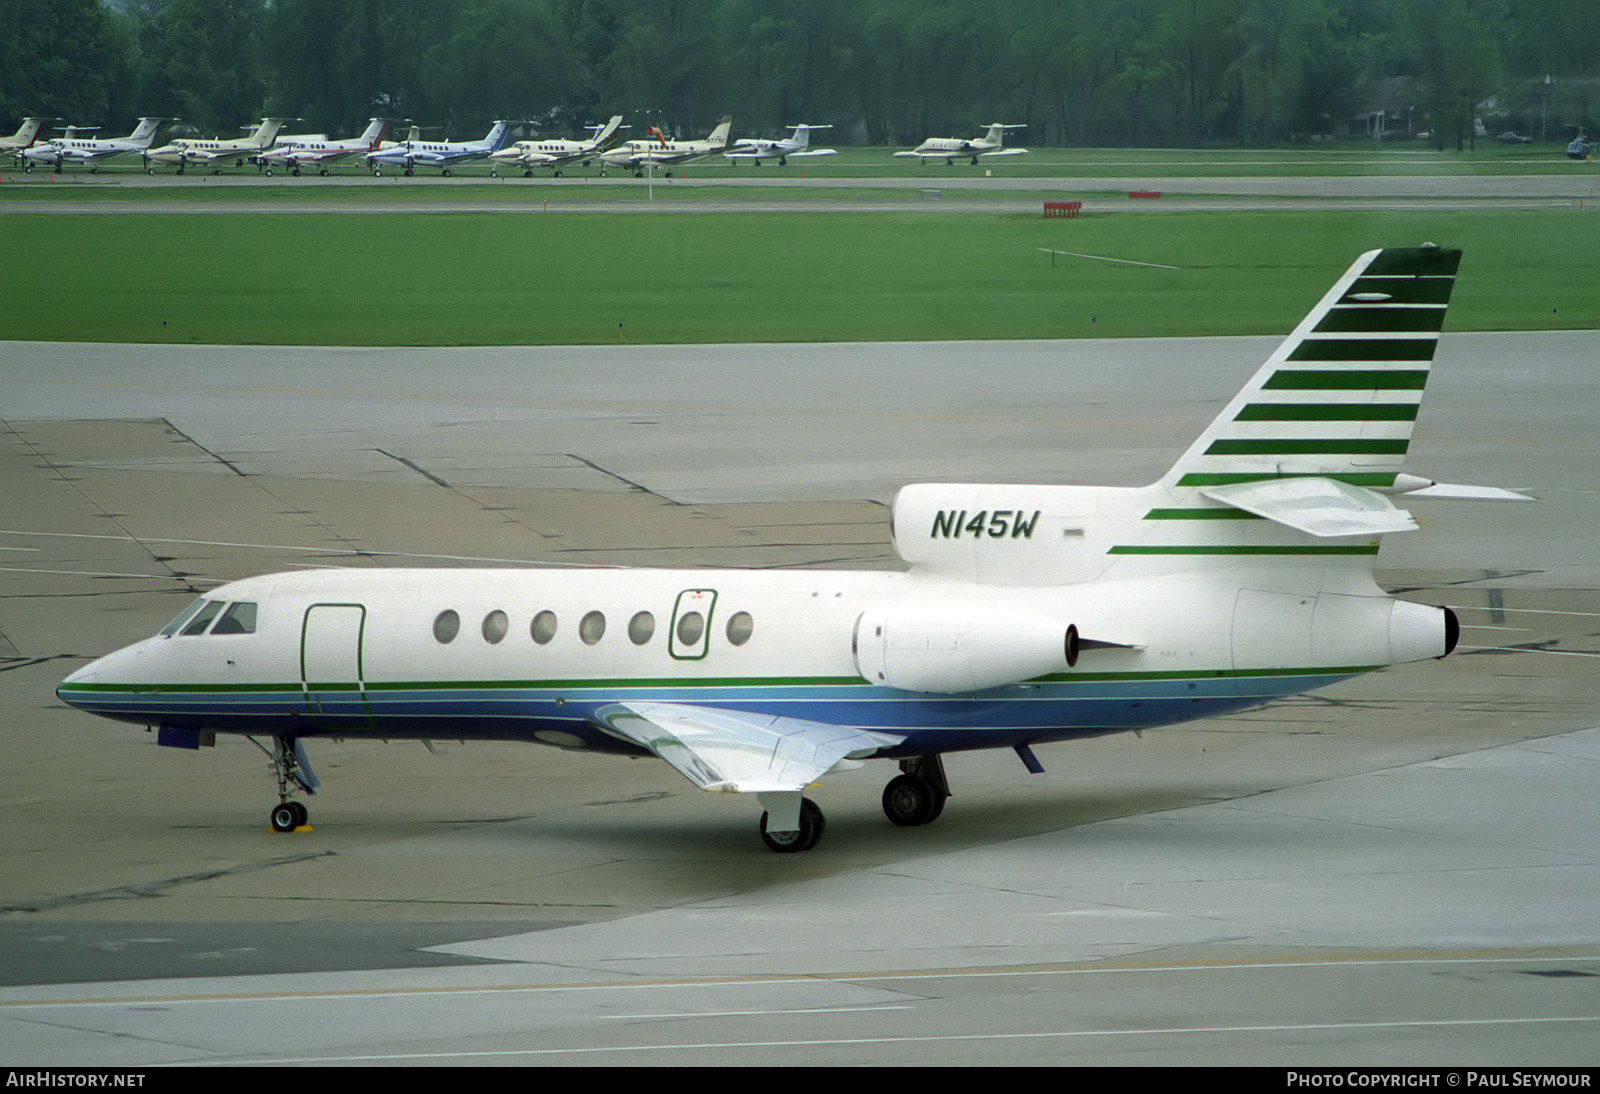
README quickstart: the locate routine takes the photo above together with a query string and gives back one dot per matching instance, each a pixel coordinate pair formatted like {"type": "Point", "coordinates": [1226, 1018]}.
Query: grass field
{"type": "Point", "coordinates": [448, 279]}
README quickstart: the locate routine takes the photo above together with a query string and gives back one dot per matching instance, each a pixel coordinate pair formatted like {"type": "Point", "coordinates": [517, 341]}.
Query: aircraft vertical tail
{"type": "Point", "coordinates": [1339, 397]}
{"type": "Point", "coordinates": [27, 132]}
{"type": "Point", "coordinates": [719, 135]}
{"type": "Point", "coordinates": [498, 136]}
{"type": "Point", "coordinates": [376, 128]}
{"type": "Point", "coordinates": [266, 132]}
{"type": "Point", "coordinates": [608, 134]}
{"type": "Point", "coordinates": [146, 131]}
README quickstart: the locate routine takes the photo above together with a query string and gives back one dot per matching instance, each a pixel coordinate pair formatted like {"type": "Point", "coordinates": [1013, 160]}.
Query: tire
{"type": "Point", "coordinates": [812, 824]}
{"type": "Point", "coordinates": [911, 801]}
{"type": "Point", "coordinates": [286, 816]}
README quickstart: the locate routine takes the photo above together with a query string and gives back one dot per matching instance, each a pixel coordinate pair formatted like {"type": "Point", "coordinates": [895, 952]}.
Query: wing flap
{"type": "Point", "coordinates": [739, 751]}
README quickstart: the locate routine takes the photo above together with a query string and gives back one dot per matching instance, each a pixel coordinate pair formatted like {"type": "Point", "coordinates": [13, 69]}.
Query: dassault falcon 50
{"type": "Point", "coordinates": [1027, 614]}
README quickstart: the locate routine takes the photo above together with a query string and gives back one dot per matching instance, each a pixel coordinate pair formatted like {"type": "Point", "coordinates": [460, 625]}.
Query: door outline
{"type": "Point", "coordinates": [313, 690]}
{"type": "Point", "coordinates": [703, 601]}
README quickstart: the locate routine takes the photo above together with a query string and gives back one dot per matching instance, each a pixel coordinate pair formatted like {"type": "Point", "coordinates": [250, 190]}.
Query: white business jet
{"type": "Point", "coordinates": [319, 152]}
{"type": "Point", "coordinates": [90, 150]}
{"type": "Point", "coordinates": [557, 152]}
{"type": "Point", "coordinates": [215, 153]}
{"type": "Point", "coordinates": [951, 149]}
{"type": "Point", "coordinates": [658, 151]}
{"type": "Point", "coordinates": [754, 150]}
{"type": "Point", "coordinates": [1028, 614]}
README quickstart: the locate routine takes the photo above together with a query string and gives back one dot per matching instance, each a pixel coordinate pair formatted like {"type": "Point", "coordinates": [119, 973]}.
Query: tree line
{"type": "Point", "coordinates": [887, 72]}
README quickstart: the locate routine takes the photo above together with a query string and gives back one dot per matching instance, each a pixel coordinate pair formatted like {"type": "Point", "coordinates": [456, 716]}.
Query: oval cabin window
{"type": "Point", "coordinates": [740, 626]}
{"type": "Point", "coordinates": [641, 628]}
{"type": "Point", "coordinates": [691, 625]}
{"type": "Point", "coordinates": [592, 628]}
{"type": "Point", "coordinates": [494, 626]}
{"type": "Point", "coordinates": [544, 627]}
{"type": "Point", "coordinates": [446, 626]}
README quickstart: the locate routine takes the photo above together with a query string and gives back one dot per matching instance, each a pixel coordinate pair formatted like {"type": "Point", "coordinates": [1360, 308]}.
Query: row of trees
{"type": "Point", "coordinates": [1078, 72]}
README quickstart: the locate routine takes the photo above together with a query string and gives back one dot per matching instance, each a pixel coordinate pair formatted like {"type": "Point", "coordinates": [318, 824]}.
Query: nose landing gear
{"type": "Point", "coordinates": [292, 768]}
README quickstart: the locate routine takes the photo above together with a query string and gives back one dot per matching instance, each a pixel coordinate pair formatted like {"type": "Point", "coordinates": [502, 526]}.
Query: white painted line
{"type": "Point", "coordinates": [1103, 258]}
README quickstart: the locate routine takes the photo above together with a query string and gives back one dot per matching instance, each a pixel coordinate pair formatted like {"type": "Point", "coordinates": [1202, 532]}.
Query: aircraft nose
{"type": "Point", "coordinates": [84, 675]}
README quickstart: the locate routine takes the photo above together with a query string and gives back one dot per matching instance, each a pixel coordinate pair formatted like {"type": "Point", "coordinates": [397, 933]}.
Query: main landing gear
{"type": "Point", "coordinates": [914, 797]}
{"type": "Point", "coordinates": [293, 770]}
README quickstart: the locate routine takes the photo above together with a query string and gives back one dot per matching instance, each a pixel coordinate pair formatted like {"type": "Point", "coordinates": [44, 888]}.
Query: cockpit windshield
{"type": "Point", "coordinates": [240, 618]}
{"type": "Point", "coordinates": [183, 617]}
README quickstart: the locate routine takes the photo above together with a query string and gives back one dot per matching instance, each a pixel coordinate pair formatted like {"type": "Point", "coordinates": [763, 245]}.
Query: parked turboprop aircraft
{"type": "Point", "coordinates": [24, 137]}
{"type": "Point", "coordinates": [636, 155]}
{"type": "Point", "coordinates": [557, 153]}
{"type": "Point", "coordinates": [756, 150]}
{"type": "Point", "coordinates": [951, 149]}
{"type": "Point", "coordinates": [1028, 614]}
{"type": "Point", "coordinates": [441, 154]}
{"type": "Point", "coordinates": [321, 153]}
{"type": "Point", "coordinates": [214, 153]}
{"type": "Point", "coordinates": [90, 150]}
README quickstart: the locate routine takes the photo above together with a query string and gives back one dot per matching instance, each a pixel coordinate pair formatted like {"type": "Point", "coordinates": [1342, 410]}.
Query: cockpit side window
{"type": "Point", "coordinates": [240, 618]}
{"type": "Point", "coordinates": [201, 621]}
{"type": "Point", "coordinates": [183, 617]}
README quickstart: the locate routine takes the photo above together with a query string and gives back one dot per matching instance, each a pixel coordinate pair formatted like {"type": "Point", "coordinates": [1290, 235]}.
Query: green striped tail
{"type": "Point", "coordinates": [1340, 396]}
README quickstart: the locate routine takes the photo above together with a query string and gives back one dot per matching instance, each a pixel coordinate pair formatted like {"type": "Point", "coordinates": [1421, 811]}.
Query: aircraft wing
{"type": "Point", "coordinates": [815, 152]}
{"type": "Point", "coordinates": [1005, 152]}
{"type": "Point", "coordinates": [737, 751]}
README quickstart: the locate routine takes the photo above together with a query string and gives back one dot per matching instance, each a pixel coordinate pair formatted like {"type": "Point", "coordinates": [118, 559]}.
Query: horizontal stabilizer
{"type": "Point", "coordinates": [1447, 491]}
{"type": "Point", "coordinates": [1315, 505]}
{"type": "Point", "coordinates": [740, 751]}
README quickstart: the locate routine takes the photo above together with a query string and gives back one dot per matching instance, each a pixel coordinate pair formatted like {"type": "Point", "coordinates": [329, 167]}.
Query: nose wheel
{"type": "Point", "coordinates": [292, 768]}
{"type": "Point", "coordinates": [287, 816]}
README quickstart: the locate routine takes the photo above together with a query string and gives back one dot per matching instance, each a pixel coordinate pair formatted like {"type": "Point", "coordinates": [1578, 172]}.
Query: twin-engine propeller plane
{"type": "Point", "coordinates": [414, 153]}
{"type": "Point", "coordinates": [1028, 614]}
{"type": "Point", "coordinates": [556, 152]}
{"type": "Point", "coordinates": [89, 151]}
{"type": "Point", "coordinates": [214, 153]}
{"type": "Point", "coordinates": [658, 151]}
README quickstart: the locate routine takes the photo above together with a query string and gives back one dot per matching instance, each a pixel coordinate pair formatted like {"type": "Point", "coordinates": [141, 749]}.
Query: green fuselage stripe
{"type": "Point", "coordinates": [1200, 514]}
{"type": "Point", "coordinates": [1200, 549]}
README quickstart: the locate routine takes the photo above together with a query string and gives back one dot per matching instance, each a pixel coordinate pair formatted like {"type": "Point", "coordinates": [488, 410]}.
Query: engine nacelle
{"type": "Point", "coordinates": [949, 648]}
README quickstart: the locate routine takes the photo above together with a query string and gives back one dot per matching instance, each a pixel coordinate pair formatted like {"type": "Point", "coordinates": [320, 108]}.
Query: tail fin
{"type": "Point", "coordinates": [719, 135]}
{"type": "Point", "coordinates": [607, 136]}
{"type": "Point", "coordinates": [498, 135]}
{"type": "Point", "coordinates": [373, 136]}
{"type": "Point", "coordinates": [266, 132]}
{"type": "Point", "coordinates": [146, 131]}
{"type": "Point", "coordinates": [1339, 397]}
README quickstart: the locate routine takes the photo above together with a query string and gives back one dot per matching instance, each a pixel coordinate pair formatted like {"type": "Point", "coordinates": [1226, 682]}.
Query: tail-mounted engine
{"type": "Point", "coordinates": [949, 648]}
